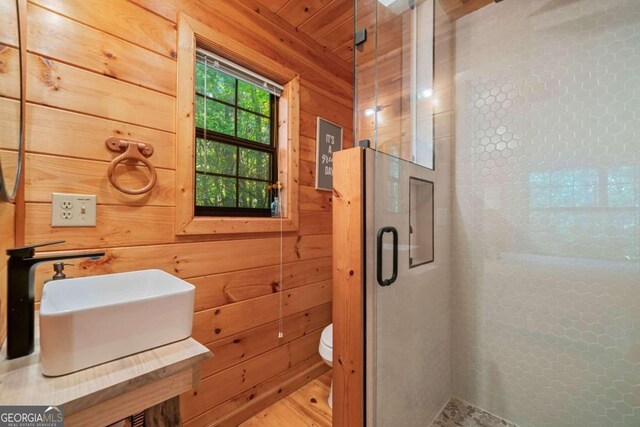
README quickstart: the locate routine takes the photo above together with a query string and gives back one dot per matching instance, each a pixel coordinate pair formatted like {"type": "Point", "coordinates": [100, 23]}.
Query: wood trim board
{"type": "Point", "coordinates": [348, 288]}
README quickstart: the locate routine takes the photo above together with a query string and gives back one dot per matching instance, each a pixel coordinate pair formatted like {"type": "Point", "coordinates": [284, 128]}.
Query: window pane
{"type": "Point", "coordinates": [215, 157]}
{"type": "Point", "coordinates": [586, 177]}
{"type": "Point", "coordinates": [215, 191]}
{"type": "Point", "coordinates": [253, 127]}
{"type": "Point", "coordinates": [254, 99]}
{"type": "Point", "coordinates": [562, 178]}
{"type": "Point", "coordinates": [220, 117]}
{"type": "Point", "coordinates": [253, 194]}
{"type": "Point", "coordinates": [199, 112]}
{"type": "Point", "coordinates": [585, 195]}
{"type": "Point", "coordinates": [621, 174]}
{"type": "Point", "coordinates": [254, 164]}
{"type": "Point", "coordinates": [199, 77]}
{"type": "Point", "coordinates": [621, 195]}
{"type": "Point", "coordinates": [215, 84]}
{"type": "Point", "coordinates": [624, 186]}
{"type": "Point", "coordinates": [562, 197]}
{"type": "Point", "coordinates": [539, 179]}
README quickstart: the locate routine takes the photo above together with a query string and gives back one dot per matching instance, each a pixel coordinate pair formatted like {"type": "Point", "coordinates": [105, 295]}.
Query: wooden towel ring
{"type": "Point", "coordinates": [131, 150]}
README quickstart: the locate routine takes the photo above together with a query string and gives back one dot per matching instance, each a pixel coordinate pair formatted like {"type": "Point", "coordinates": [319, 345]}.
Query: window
{"type": "Point", "coordinates": [615, 187]}
{"type": "Point", "coordinates": [567, 188]}
{"type": "Point", "coordinates": [623, 186]}
{"type": "Point", "coordinates": [231, 138]}
{"type": "Point", "coordinates": [236, 139]}
{"type": "Point", "coordinates": [577, 212]}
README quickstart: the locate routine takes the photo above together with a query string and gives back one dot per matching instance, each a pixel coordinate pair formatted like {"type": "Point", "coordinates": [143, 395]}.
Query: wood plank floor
{"type": "Point", "coordinates": [307, 406]}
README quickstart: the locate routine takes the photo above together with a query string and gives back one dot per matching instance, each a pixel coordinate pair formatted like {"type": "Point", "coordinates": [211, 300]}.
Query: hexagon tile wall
{"type": "Point", "coordinates": [546, 294]}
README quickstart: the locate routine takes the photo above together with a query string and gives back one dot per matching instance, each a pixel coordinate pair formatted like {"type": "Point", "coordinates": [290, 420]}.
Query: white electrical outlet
{"type": "Point", "coordinates": [73, 210]}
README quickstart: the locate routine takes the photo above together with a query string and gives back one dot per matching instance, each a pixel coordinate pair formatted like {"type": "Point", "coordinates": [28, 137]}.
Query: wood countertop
{"type": "Point", "coordinates": [174, 365]}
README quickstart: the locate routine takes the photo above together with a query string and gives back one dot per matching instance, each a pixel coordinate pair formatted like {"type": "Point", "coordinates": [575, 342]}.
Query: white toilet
{"type": "Point", "coordinates": [326, 352]}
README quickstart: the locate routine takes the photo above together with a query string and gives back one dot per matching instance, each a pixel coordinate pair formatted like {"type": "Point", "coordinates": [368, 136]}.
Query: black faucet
{"type": "Point", "coordinates": [20, 294]}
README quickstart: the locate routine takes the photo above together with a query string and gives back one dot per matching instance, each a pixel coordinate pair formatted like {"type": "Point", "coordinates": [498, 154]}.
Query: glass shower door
{"type": "Point", "coordinates": [402, 313]}
{"type": "Point", "coordinates": [394, 104]}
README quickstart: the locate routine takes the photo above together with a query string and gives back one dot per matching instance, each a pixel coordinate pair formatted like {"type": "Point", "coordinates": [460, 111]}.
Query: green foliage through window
{"type": "Point", "coordinates": [235, 154]}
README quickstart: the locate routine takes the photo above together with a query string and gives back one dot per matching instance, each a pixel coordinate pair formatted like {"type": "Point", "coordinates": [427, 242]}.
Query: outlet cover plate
{"type": "Point", "coordinates": [73, 210]}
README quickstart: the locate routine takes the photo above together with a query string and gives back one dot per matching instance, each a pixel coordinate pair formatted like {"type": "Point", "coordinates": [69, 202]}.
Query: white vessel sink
{"type": "Point", "coordinates": [92, 320]}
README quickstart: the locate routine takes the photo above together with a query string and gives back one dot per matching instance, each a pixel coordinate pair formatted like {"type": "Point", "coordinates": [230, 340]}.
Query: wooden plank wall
{"type": "Point", "coordinates": [97, 69]}
{"type": "Point", "coordinates": [9, 117]}
{"type": "Point", "coordinates": [7, 240]}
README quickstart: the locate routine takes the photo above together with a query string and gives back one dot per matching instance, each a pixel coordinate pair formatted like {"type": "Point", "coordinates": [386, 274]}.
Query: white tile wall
{"type": "Point", "coordinates": [546, 257]}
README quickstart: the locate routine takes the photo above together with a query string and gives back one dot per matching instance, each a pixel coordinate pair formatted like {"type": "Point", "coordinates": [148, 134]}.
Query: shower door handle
{"type": "Point", "coordinates": [394, 274]}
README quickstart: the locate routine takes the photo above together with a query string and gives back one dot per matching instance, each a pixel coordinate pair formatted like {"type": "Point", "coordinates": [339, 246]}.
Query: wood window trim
{"type": "Point", "coordinates": [191, 33]}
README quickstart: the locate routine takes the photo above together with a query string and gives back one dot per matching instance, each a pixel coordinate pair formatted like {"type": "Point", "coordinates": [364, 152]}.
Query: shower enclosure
{"type": "Point", "coordinates": [406, 170]}
{"type": "Point", "coordinates": [407, 273]}
{"type": "Point", "coordinates": [407, 366]}
{"type": "Point", "coordinates": [500, 211]}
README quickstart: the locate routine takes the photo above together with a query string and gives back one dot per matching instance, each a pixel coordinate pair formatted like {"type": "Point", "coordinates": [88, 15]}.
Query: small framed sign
{"type": "Point", "coordinates": [328, 141]}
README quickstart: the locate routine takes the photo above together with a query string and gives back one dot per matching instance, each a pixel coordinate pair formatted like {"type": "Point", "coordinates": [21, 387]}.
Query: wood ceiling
{"type": "Point", "coordinates": [330, 22]}
{"type": "Point", "coordinates": [458, 8]}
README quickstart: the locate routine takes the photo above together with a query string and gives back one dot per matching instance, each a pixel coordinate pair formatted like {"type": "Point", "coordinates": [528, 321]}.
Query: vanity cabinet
{"type": "Point", "coordinates": [151, 381]}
